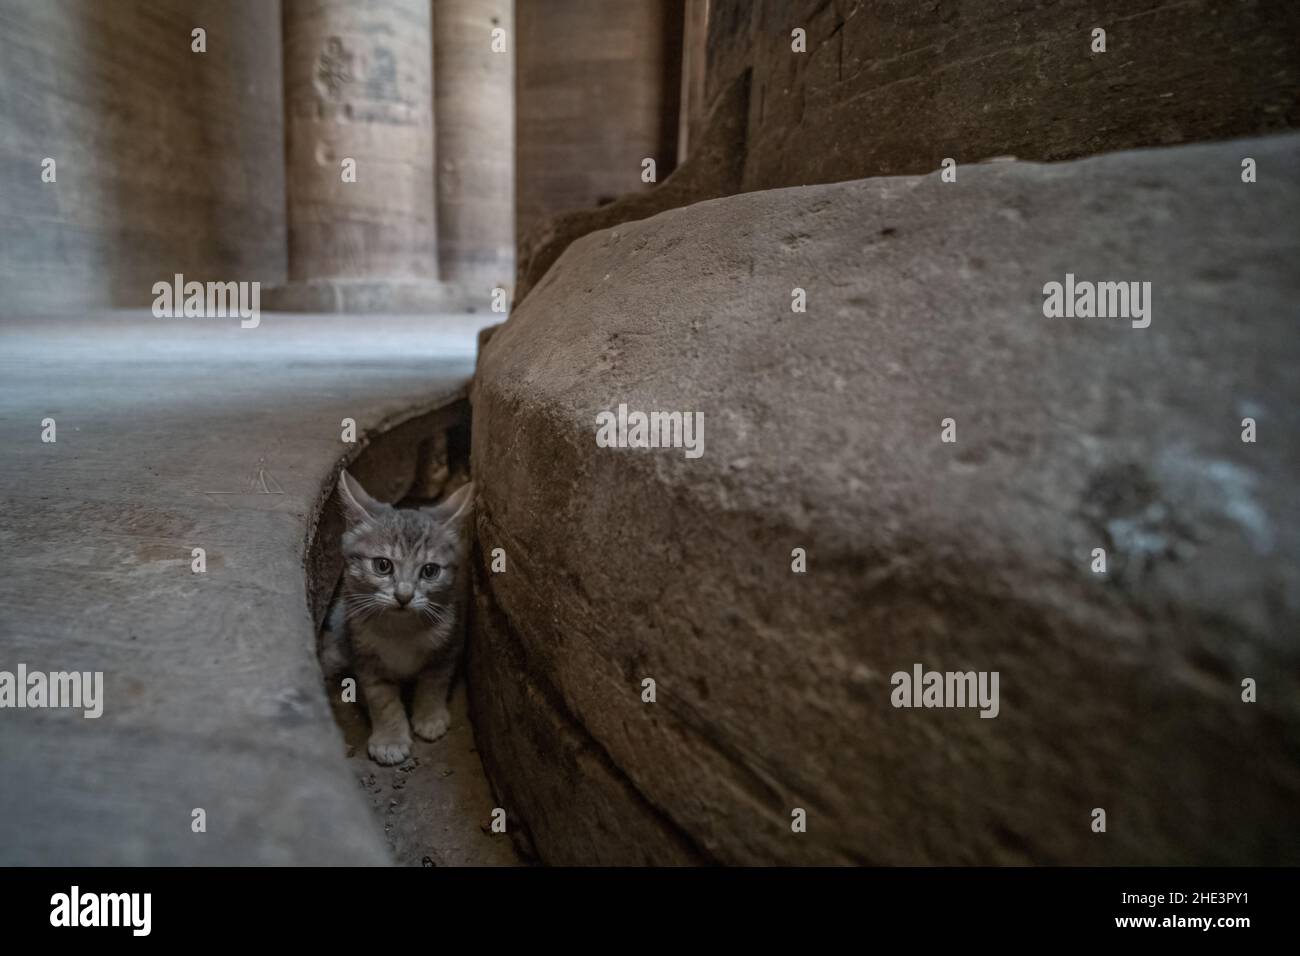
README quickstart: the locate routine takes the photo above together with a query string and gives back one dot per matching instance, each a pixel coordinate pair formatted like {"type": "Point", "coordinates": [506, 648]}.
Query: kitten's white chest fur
{"type": "Point", "coordinates": [403, 644]}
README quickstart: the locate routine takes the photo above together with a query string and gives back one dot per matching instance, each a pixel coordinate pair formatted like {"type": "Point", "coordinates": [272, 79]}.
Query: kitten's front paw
{"type": "Point", "coordinates": [433, 726]}
{"type": "Point", "coordinates": [389, 752]}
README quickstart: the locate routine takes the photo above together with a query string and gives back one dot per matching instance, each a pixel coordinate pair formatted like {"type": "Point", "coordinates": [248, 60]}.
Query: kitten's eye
{"type": "Point", "coordinates": [383, 566]}
{"type": "Point", "coordinates": [430, 571]}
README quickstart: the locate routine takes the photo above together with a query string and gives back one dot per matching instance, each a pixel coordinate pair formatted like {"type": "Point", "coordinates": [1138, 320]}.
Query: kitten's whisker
{"type": "Point", "coordinates": [436, 614]}
{"type": "Point", "coordinates": [360, 608]}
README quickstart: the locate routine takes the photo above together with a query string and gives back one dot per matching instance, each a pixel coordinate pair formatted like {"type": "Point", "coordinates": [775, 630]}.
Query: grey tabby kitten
{"type": "Point", "coordinates": [399, 615]}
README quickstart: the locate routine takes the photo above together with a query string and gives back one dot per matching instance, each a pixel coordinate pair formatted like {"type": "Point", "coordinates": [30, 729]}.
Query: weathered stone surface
{"type": "Point", "coordinates": [894, 86]}
{"type": "Point", "coordinates": [714, 170]}
{"type": "Point", "coordinates": [1120, 691]}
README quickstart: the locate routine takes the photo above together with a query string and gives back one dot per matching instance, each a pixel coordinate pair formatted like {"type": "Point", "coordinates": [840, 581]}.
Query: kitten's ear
{"type": "Point", "coordinates": [456, 508]}
{"type": "Point", "coordinates": [358, 506]}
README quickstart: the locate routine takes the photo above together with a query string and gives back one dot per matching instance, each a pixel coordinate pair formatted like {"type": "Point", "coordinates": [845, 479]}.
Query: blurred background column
{"type": "Point", "coordinates": [358, 89]}
{"type": "Point", "coordinates": [475, 120]}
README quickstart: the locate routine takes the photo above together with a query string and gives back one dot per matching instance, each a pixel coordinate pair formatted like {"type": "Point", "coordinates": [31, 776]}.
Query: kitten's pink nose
{"type": "Point", "coordinates": [404, 593]}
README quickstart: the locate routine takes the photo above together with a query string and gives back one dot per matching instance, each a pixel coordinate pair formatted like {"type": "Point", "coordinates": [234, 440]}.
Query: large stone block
{"type": "Point", "coordinates": [925, 302]}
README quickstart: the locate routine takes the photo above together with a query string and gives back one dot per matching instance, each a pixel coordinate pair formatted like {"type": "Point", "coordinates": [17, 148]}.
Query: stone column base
{"type": "Point", "coordinates": [393, 296]}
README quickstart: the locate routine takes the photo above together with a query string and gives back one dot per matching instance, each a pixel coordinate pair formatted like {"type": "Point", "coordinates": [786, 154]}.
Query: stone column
{"type": "Point", "coordinates": [695, 51]}
{"type": "Point", "coordinates": [358, 86]}
{"type": "Point", "coordinates": [475, 117]}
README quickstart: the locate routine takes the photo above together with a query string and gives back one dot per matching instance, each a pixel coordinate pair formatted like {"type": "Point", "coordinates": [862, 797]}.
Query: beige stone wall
{"type": "Point", "coordinates": [166, 160]}
{"type": "Point", "coordinates": [774, 680]}
{"type": "Point", "coordinates": [594, 98]}
{"type": "Point", "coordinates": [892, 87]}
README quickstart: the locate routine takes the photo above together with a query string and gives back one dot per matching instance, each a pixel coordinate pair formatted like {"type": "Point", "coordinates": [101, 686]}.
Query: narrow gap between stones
{"type": "Point", "coordinates": [435, 808]}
